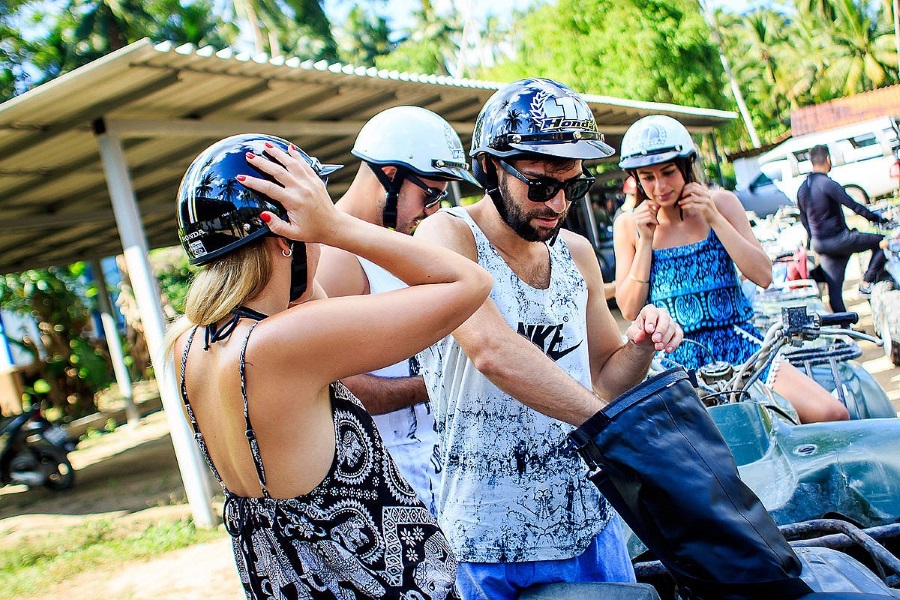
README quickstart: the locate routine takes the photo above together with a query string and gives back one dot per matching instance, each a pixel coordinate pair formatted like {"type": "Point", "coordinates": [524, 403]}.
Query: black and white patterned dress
{"type": "Point", "coordinates": [361, 533]}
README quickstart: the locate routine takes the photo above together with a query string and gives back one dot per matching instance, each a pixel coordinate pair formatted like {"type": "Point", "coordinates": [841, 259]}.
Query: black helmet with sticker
{"type": "Point", "coordinates": [538, 116]}
{"type": "Point", "coordinates": [216, 213]}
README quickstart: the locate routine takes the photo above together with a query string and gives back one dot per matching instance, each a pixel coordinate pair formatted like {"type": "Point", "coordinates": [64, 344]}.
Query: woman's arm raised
{"type": "Point", "coordinates": [345, 336]}
{"type": "Point", "coordinates": [634, 255]}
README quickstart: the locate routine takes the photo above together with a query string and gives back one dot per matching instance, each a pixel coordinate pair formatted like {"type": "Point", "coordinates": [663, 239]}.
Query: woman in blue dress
{"type": "Point", "coordinates": [679, 249]}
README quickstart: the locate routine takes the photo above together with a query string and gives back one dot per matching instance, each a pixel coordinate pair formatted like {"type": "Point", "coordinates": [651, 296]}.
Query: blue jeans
{"type": "Point", "coordinates": [606, 559]}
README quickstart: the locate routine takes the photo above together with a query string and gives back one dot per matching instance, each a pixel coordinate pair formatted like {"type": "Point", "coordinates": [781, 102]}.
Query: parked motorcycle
{"type": "Point", "coordinates": [34, 452]}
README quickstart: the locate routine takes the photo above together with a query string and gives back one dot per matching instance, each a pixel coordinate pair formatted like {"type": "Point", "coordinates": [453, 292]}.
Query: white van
{"type": "Point", "coordinates": [863, 160]}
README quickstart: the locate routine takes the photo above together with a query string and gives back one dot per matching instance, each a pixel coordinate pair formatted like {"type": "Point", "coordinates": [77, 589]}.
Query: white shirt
{"type": "Point", "coordinates": [512, 489]}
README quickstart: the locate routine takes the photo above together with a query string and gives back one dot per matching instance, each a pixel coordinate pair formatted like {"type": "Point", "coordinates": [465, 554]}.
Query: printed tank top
{"type": "Point", "coordinates": [361, 533]}
{"type": "Point", "coordinates": [698, 285]}
{"type": "Point", "coordinates": [512, 489]}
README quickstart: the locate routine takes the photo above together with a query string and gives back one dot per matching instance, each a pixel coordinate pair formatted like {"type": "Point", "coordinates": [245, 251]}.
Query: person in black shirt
{"type": "Point", "coordinates": [820, 199]}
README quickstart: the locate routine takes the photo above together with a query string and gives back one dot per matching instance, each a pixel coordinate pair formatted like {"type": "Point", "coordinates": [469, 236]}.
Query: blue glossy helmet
{"type": "Point", "coordinates": [216, 213]}
{"type": "Point", "coordinates": [536, 116]}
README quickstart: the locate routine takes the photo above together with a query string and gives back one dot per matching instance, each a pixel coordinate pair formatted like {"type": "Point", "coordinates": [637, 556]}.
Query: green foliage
{"type": "Point", "coordinates": [364, 37]}
{"type": "Point", "coordinates": [68, 366]}
{"type": "Point", "coordinates": [430, 46]}
{"type": "Point", "coordinates": [658, 50]}
{"type": "Point", "coordinates": [38, 564]}
{"type": "Point", "coordinates": [808, 52]}
{"type": "Point", "coordinates": [174, 274]}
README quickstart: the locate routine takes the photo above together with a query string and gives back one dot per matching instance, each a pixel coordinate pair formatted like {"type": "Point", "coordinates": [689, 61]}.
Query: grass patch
{"type": "Point", "coordinates": [41, 562]}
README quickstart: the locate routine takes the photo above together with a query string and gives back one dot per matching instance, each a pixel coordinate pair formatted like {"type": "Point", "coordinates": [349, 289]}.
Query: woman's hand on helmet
{"type": "Point", "coordinates": [311, 215]}
{"type": "Point", "coordinates": [645, 219]}
{"type": "Point", "coordinates": [697, 199]}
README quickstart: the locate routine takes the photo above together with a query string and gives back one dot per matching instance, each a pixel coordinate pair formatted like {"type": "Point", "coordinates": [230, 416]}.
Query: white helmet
{"type": "Point", "coordinates": [414, 138]}
{"type": "Point", "coordinates": [653, 140]}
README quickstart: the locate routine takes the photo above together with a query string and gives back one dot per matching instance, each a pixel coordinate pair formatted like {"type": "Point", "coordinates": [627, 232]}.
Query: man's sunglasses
{"type": "Point", "coordinates": [542, 189]}
{"type": "Point", "coordinates": [433, 196]}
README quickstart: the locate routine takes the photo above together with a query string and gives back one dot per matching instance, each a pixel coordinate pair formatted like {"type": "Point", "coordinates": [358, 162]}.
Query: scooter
{"type": "Point", "coordinates": [34, 452]}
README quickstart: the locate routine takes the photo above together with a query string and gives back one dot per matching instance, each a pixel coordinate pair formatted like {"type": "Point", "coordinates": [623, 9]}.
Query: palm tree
{"type": "Point", "coordinates": [862, 54]}
{"type": "Point", "coordinates": [297, 26]}
{"type": "Point", "coordinates": [432, 45]}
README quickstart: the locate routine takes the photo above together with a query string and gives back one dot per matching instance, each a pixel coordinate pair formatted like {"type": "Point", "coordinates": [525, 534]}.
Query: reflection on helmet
{"type": "Point", "coordinates": [414, 138]}
{"type": "Point", "coordinates": [654, 140]}
{"type": "Point", "coordinates": [216, 213]}
{"type": "Point", "coordinates": [538, 116]}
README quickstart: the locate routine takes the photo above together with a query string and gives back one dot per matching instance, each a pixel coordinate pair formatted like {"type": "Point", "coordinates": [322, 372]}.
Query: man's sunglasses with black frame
{"type": "Point", "coordinates": [542, 189]}
{"type": "Point", "coordinates": [433, 196]}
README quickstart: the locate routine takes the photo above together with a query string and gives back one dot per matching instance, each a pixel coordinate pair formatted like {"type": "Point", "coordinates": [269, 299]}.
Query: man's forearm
{"type": "Point", "coordinates": [626, 368]}
{"type": "Point", "coordinates": [382, 395]}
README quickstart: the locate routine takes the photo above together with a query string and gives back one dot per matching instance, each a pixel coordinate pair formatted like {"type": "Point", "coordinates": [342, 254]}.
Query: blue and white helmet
{"type": "Point", "coordinates": [654, 140]}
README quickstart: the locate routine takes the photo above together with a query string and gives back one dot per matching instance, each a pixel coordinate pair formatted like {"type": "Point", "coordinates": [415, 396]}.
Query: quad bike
{"type": "Point", "coordinates": [803, 472]}
{"type": "Point", "coordinates": [829, 361]}
{"type": "Point", "coordinates": [714, 476]}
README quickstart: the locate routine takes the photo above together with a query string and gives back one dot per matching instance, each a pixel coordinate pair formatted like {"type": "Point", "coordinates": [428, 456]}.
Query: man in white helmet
{"type": "Point", "coordinates": [509, 383]}
{"type": "Point", "coordinates": [409, 156]}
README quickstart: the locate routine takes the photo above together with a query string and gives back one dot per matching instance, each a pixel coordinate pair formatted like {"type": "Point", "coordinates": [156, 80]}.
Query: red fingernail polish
{"type": "Point", "coordinates": [250, 156]}
{"type": "Point", "coordinates": [241, 177]}
{"type": "Point", "coordinates": [269, 145]}
{"type": "Point", "coordinates": [266, 217]}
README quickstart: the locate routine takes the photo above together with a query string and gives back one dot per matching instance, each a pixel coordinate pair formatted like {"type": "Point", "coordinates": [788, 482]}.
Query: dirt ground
{"type": "Point", "coordinates": [132, 474]}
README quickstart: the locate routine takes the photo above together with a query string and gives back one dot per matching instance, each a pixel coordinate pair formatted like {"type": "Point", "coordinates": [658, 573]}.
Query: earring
{"type": "Point", "coordinates": [289, 253]}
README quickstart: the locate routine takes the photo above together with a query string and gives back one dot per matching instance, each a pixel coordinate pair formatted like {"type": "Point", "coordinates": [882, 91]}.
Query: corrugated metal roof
{"type": "Point", "coordinates": [168, 103]}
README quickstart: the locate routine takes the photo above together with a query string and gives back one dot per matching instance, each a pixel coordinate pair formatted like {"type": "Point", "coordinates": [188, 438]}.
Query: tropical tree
{"type": "Point", "coordinates": [364, 36]}
{"type": "Point", "coordinates": [431, 45]}
{"type": "Point", "coordinates": [644, 49]}
{"type": "Point", "coordinates": [297, 27]}
{"type": "Point", "coordinates": [862, 53]}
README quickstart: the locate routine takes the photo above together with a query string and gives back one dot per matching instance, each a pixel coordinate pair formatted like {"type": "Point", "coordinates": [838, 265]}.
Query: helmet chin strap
{"type": "Point", "coordinates": [391, 193]}
{"type": "Point", "coordinates": [298, 270]}
{"type": "Point", "coordinates": [492, 184]}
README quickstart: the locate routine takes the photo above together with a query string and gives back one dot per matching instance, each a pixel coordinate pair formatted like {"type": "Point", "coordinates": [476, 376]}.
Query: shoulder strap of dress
{"type": "Point", "coordinates": [251, 435]}
{"type": "Point", "coordinates": [190, 411]}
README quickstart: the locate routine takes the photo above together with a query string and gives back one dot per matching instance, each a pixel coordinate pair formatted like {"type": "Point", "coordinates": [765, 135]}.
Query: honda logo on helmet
{"type": "Point", "coordinates": [561, 112]}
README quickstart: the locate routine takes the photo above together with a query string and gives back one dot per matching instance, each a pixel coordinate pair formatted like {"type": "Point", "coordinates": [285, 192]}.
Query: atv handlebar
{"type": "Point", "coordinates": [841, 319]}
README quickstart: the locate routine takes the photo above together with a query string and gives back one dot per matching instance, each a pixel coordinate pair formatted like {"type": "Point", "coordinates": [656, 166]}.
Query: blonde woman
{"type": "Point", "coordinates": [314, 504]}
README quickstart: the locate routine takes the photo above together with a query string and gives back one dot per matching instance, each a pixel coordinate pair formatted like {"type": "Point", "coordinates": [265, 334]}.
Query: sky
{"type": "Point", "coordinates": [398, 11]}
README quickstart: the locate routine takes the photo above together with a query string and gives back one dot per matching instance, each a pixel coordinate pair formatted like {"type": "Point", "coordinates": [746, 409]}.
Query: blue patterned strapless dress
{"type": "Point", "coordinates": [698, 285]}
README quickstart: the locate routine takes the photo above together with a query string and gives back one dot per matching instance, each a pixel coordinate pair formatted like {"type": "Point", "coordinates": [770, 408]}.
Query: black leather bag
{"type": "Point", "coordinates": [656, 455]}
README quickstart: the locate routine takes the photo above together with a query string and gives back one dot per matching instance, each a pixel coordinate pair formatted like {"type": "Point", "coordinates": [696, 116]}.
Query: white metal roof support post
{"type": "Point", "coordinates": [111, 331]}
{"type": "Point", "coordinates": [146, 291]}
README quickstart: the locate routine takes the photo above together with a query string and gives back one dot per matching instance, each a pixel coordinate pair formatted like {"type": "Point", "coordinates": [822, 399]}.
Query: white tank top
{"type": "Point", "coordinates": [408, 433]}
{"type": "Point", "coordinates": [512, 489]}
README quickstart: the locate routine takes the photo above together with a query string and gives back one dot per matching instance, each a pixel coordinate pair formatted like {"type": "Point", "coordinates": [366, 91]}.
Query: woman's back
{"type": "Point", "coordinates": [360, 528]}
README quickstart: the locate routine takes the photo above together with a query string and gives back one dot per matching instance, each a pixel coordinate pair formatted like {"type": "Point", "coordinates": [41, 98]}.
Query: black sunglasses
{"type": "Point", "coordinates": [433, 196]}
{"type": "Point", "coordinates": [542, 189]}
